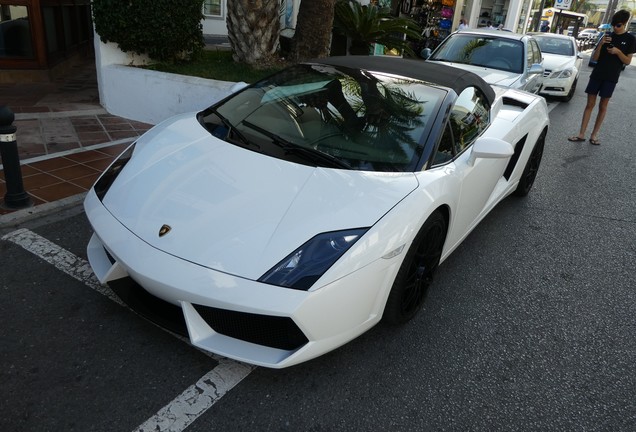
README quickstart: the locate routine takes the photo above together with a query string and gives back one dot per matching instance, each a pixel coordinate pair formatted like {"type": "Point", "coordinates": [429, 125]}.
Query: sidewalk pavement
{"type": "Point", "coordinates": [65, 139]}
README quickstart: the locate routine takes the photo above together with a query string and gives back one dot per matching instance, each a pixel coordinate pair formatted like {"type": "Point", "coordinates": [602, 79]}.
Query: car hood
{"type": "Point", "coordinates": [554, 62]}
{"type": "Point", "coordinates": [491, 76]}
{"type": "Point", "coordinates": [236, 210]}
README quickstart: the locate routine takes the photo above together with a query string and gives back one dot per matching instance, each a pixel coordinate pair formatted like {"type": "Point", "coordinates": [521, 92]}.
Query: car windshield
{"type": "Point", "coordinates": [332, 117]}
{"type": "Point", "coordinates": [480, 50]}
{"type": "Point", "coordinates": [556, 46]}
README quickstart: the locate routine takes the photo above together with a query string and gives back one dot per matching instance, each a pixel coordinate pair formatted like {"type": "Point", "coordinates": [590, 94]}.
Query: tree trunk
{"type": "Point", "coordinates": [312, 38]}
{"type": "Point", "coordinates": [253, 27]}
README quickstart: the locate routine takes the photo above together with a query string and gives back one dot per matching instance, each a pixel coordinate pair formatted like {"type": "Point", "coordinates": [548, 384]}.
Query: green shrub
{"type": "Point", "coordinates": [165, 30]}
{"type": "Point", "coordinates": [216, 65]}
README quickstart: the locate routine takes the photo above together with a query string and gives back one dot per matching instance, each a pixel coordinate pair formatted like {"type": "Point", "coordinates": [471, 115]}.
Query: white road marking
{"type": "Point", "coordinates": [196, 399]}
{"type": "Point", "coordinates": [189, 405]}
{"type": "Point", "coordinates": [60, 258]}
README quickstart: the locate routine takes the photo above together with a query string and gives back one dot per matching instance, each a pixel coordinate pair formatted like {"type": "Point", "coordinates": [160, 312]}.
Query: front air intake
{"type": "Point", "coordinates": [272, 331]}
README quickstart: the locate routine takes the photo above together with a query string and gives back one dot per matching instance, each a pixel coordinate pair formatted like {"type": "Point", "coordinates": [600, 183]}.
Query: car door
{"type": "Point", "coordinates": [468, 119]}
{"type": "Point", "coordinates": [533, 77]}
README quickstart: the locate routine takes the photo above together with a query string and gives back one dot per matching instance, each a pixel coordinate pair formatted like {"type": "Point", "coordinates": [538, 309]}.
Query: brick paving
{"type": "Point", "coordinates": [65, 138]}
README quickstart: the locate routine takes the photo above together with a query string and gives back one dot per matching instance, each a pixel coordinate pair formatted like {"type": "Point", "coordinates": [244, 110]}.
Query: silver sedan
{"type": "Point", "coordinates": [501, 58]}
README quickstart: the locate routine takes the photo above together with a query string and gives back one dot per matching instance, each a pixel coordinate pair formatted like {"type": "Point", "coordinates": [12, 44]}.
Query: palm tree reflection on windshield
{"type": "Point", "coordinates": [381, 114]}
{"type": "Point", "coordinates": [471, 48]}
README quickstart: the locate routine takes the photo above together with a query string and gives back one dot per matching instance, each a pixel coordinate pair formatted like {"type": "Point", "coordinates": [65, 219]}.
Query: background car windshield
{"type": "Point", "coordinates": [368, 121]}
{"type": "Point", "coordinates": [492, 52]}
{"type": "Point", "coordinates": [556, 46]}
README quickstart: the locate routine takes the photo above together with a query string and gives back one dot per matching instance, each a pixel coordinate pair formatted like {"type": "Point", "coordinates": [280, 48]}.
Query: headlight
{"type": "Point", "coordinates": [300, 269]}
{"type": "Point", "coordinates": [566, 73]}
{"type": "Point", "coordinates": [109, 176]}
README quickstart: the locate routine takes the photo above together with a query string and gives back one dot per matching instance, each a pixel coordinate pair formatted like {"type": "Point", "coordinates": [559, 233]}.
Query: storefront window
{"type": "Point", "coordinates": [15, 32]}
{"type": "Point", "coordinates": [212, 7]}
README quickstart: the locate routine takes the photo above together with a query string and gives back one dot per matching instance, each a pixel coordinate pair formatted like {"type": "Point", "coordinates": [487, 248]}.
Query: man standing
{"type": "Point", "coordinates": [611, 53]}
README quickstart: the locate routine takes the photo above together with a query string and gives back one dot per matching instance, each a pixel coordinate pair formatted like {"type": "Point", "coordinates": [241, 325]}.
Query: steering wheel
{"type": "Point", "coordinates": [500, 62]}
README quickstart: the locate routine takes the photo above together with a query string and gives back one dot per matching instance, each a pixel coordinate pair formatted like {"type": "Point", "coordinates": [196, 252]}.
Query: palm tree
{"type": "Point", "coordinates": [583, 6]}
{"type": "Point", "coordinates": [253, 29]}
{"type": "Point", "coordinates": [313, 29]}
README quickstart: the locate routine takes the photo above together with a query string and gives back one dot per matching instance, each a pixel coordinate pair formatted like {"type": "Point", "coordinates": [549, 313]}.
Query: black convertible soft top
{"type": "Point", "coordinates": [442, 75]}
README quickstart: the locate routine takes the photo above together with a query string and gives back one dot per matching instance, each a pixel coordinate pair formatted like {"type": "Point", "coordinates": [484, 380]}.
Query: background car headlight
{"type": "Point", "coordinates": [300, 269]}
{"type": "Point", "coordinates": [566, 73]}
{"type": "Point", "coordinates": [109, 176]}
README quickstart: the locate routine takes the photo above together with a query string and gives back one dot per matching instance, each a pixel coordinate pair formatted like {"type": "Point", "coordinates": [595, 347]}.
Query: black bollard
{"type": "Point", "coordinates": [16, 197]}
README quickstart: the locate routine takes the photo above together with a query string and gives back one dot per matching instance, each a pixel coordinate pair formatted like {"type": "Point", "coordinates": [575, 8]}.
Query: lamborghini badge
{"type": "Point", "coordinates": [165, 229]}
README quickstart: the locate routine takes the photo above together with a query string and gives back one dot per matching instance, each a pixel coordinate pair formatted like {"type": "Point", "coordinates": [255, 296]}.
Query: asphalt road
{"type": "Point", "coordinates": [529, 325]}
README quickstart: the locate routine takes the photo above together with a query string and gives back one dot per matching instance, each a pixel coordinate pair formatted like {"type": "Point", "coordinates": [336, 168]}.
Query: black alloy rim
{"type": "Point", "coordinates": [422, 268]}
{"type": "Point", "coordinates": [533, 164]}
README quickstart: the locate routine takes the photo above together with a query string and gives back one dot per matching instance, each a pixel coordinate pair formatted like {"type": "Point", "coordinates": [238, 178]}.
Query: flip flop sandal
{"type": "Point", "coordinates": [594, 142]}
{"type": "Point", "coordinates": [576, 139]}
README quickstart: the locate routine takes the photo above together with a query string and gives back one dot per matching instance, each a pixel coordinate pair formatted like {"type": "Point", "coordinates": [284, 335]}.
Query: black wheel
{"type": "Point", "coordinates": [414, 277]}
{"type": "Point", "coordinates": [531, 169]}
{"type": "Point", "coordinates": [571, 92]}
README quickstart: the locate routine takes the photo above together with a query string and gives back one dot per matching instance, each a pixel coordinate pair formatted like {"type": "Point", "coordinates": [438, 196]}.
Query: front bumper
{"type": "Point", "coordinates": [556, 87]}
{"type": "Point", "coordinates": [233, 316]}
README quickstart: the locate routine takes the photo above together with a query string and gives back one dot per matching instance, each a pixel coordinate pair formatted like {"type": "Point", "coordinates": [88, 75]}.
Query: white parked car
{"type": "Point", "coordinates": [294, 215]}
{"type": "Point", "coordinates": [588, 34]}
{"type": "Point", "coordinates": [500, 58]}
{"type": "Point", "coordinates": [562, 64]}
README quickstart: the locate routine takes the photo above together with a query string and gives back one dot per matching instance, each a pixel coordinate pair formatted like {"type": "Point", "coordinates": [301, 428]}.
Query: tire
{"type": "Point", "coordinates": [531, 169]}
{"type": "Point", "coordinates": [416, 273]}
{"type": "Point", "coordinates": [571, 92]}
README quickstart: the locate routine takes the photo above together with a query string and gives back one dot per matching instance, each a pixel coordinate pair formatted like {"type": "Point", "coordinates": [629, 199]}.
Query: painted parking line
{"type": "Point", "coordinates": [196, 399]}
{"type": "Point", "coordinates": [61, 259]}
{"type": "Point", "coordinates": [189, 405]}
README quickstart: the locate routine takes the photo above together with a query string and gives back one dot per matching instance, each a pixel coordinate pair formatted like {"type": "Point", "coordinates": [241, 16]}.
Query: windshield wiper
{"type": "Point", "coordinates": [447, 60]}
{"type": "Point", "coordinates": [308, 152]}
{"type": "Point", "coordinates": [232, 129]}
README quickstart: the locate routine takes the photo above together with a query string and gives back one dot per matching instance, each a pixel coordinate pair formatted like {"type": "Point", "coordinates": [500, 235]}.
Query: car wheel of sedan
{"type": "Point", "coordinates": [571, 92]}
{"type": "Point", "coordinates": [531, 169]}
{"type": "Point", "coordinates": [414, 277]}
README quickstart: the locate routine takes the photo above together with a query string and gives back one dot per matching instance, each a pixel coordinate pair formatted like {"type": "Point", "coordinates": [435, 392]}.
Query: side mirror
{"type": "Point", "coordinates": [426, 53]}
{"type": "Point", "coordinates": [535, 69]}
{"type": "Point", "coordinates": [490, 148]}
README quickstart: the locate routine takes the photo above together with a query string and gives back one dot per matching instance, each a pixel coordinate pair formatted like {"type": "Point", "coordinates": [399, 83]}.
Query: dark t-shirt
{"type": "Point", "coordinates": [608, 67]}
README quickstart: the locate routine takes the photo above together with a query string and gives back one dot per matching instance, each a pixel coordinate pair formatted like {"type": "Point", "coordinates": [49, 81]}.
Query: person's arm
{"type": "Point", "coordinates": [599, 46]}
{"type": "Point", "coordinates": [625, 58]}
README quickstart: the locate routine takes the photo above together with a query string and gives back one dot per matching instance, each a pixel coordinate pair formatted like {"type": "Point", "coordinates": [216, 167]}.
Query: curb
{"type": "Point", "coordinates": [61, 114]}
{"type": "Point", "coordinates": [18, 217]}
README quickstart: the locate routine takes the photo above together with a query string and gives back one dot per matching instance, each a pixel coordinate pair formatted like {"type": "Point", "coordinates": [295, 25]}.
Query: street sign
{"type": "Point", "coordinates": [563, 4]}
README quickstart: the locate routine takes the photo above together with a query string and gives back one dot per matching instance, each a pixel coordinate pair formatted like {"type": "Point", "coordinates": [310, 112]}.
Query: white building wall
{"type": "Point", "coordinates": [149, 96]}
{"type": "Point", "coordinates": [514, 13]}
{"type": "Point", "coordinates": [473, 9]}
{"type": "Point", "coordinates": [214, 26]}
